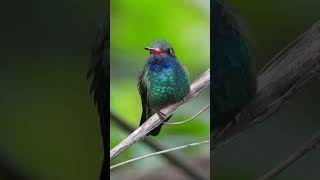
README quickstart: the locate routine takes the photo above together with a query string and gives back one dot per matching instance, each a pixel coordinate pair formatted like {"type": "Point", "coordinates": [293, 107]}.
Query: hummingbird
{"type": "Point", "coordinates": [163, 81]}
{"type": "Point", "coordinates": [233, 82]}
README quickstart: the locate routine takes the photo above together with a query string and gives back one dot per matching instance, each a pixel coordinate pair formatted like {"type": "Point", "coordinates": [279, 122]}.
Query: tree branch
{"type": "Point", "coordinates": [287, 73]}
{"type": "Point", "coordinates": [174, 159]}
{"type": "Point", "coordinates": [196, 88]}
{"type": "Point", "coordinates": [312, 143]}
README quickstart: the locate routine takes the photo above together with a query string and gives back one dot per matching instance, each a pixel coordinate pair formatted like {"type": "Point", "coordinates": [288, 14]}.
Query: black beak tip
{"type": "Point", "coordinates": [147, 48]}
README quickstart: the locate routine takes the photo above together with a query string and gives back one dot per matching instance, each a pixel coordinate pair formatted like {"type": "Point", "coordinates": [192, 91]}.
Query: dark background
{"type": "Point", "coordinates": [49, 126]}
{"type": "Point", "coordinates": [271, 26]}
{"type": "Point", "coordinates": [48, 123]}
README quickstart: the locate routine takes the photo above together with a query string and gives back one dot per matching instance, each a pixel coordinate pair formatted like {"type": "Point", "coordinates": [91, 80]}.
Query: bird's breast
{"type": "Point", "coordinates": [166, 87]}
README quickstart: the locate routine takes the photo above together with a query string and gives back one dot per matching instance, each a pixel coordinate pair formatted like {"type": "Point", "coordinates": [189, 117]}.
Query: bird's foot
{"type": "Point", "coordinates": [161, 115]}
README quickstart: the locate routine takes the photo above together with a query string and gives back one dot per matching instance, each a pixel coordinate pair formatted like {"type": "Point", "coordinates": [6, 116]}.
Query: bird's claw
{"type": "Point", "coordinates": [161, 115]}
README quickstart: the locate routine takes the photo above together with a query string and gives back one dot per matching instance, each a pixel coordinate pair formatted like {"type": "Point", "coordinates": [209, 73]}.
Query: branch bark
{"type": "Point", "coordinates": [174, 159]}
{"type": "Point", "coordinates": [196, 88]}
{"type": "Point", "coordinates": [286, 74]}
{"type": "Point", "coordinates": [312, 144]}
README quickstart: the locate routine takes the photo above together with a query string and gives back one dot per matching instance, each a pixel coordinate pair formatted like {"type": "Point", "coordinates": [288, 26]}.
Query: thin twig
{"type": "Point", "coordinates": [196, 88]}
{"type": "Point", "coordinates": [312, 143]}
{"type": "Point", "coordinates": [160, 152]}
{"type": "Point", "coordinates": [175, 159]}
{"type": "Point", "coordinates": [190, 119]}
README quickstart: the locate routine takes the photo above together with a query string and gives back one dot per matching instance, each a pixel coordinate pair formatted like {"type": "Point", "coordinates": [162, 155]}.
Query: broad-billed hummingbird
{"type": "Point", "coordinates": [233, 84]}
{"type": "Point", "coordinates": [162, 82]}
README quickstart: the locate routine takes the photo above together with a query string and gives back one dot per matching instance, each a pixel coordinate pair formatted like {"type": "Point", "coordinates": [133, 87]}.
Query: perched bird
{"type": "Point", "coordinates": [163, 81]}
{"type": "Point", "coordinates": [233, 84]}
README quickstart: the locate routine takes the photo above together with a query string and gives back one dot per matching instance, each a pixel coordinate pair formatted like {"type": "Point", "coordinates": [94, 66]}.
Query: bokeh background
{"type": "Point", "coordinates": [135, 25]}
{"type": "Point", "coordinates": [48, 123]}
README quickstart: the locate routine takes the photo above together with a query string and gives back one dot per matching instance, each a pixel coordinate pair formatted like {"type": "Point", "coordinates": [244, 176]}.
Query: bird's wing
{"type": "Point", "coordinates": [99, 75]}
{"type": "Point", "coordinates": [143, 91]}
{"type": "Point", "coordinates": [147, 111]}
{"type": "Point", "coordinates": [99, 71]}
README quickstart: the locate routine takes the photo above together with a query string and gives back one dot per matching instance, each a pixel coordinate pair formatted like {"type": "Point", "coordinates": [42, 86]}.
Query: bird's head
{"type": "Point", "coordinates": [161, 48]}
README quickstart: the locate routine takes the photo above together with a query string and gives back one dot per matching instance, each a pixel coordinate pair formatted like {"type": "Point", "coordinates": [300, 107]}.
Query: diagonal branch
{"type": "Point", "coordinates": [196, 88]}
{"type": "Point", "coordinates": [312, 144]}
{"type": "Point", "coordinates": [174, 159]}
{"type": "Point", "coordinates": [287, 73]}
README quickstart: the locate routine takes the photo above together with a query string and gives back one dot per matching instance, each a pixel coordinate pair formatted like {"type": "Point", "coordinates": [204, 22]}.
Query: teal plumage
{"type": "Point", "coordinates": [233, 83]}
{"type": "Point", "coordinates": [168, 86]}
{"type": "Point", "coordinates": [163, 81]}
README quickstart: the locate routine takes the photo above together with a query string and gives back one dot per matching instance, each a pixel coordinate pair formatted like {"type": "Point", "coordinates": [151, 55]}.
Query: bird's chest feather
{"type": "Point", "coordinates": [166, 86]}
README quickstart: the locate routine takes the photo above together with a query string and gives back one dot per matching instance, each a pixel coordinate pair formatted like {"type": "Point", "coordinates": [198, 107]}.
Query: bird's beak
{"type": "Point", "coordinates": [149, 48]}
{"type": "Point", "coordinates": [154, 51]}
